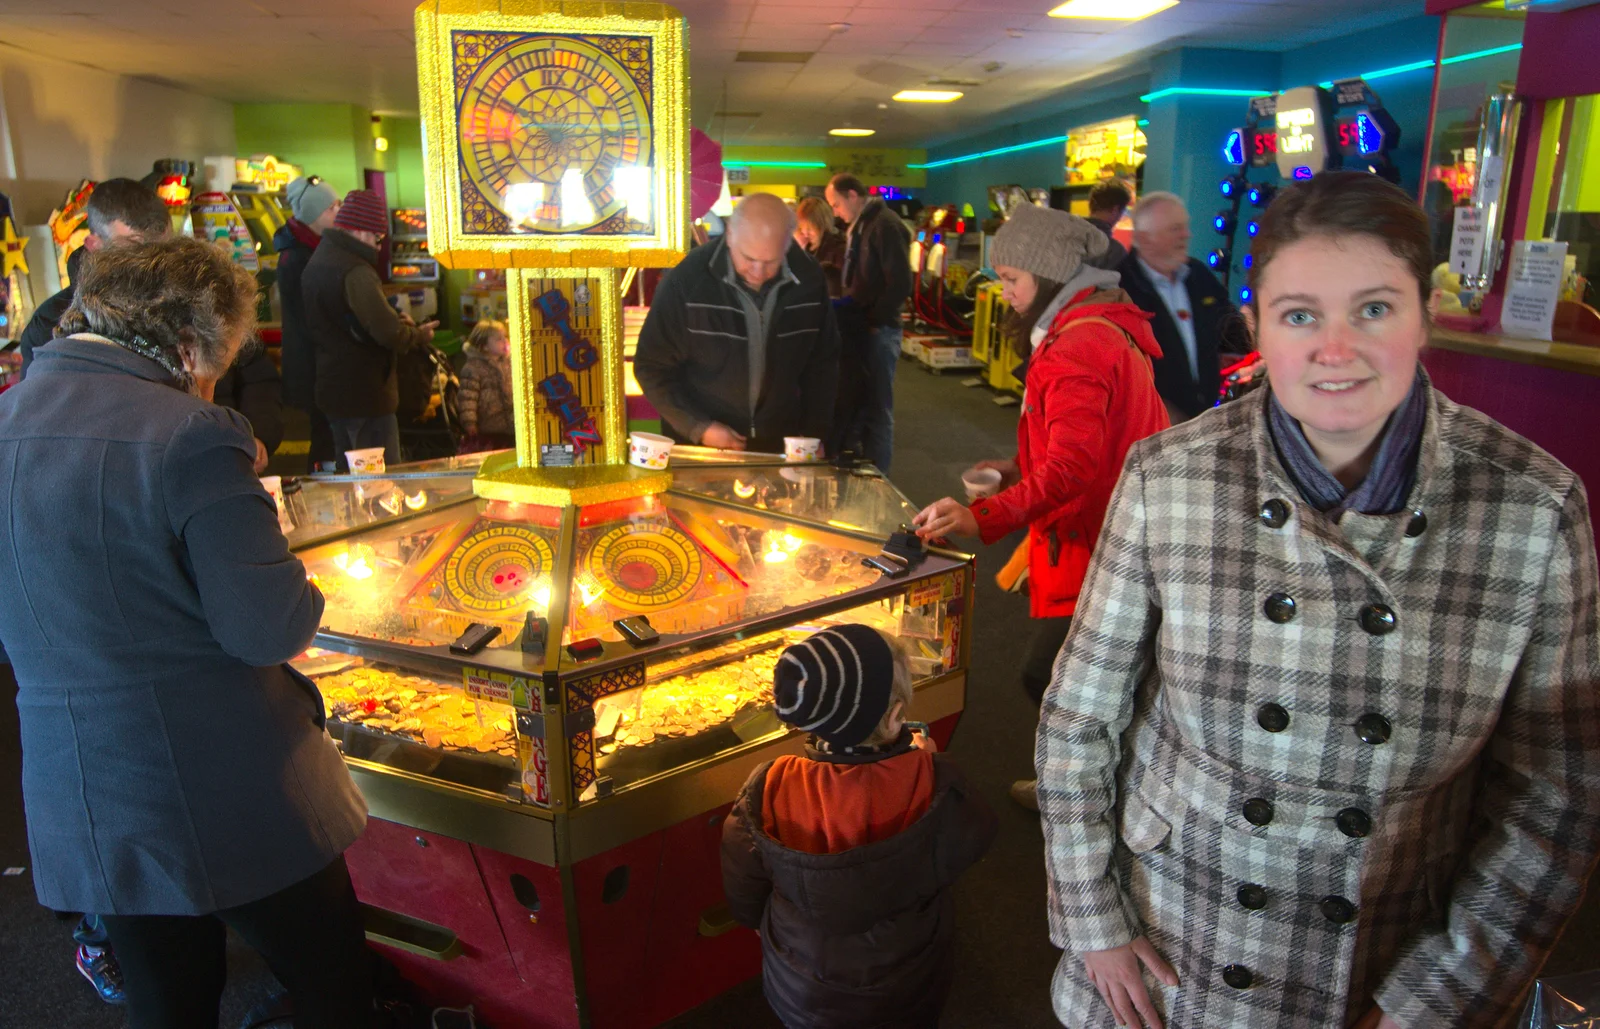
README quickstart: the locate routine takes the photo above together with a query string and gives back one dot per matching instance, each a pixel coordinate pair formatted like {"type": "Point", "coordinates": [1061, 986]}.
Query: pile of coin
{"type": "Point", "coordinates": [418, 709]}
{"type": "Point", "coordinates": [686, 705]}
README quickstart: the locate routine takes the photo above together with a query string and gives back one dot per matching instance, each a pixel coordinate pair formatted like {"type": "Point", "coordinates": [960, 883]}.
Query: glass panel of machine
{"type": "Point", "coordinates": [694, 706]}
{"type": "Point", "coordinates": [691, 566]}
{"type": "Point", "coordinates": [856, 501]}
{"type": "Point", "coordinates": [414, 723]}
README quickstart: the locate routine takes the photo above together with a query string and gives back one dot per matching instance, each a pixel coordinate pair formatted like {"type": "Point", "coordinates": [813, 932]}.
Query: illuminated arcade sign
{"type": "Point", "coordinates": [1285, 134]}
{"type": "Point", "coordinates": [1112, 149]}
{"type": "Point", "coordinates": [1302, 130]}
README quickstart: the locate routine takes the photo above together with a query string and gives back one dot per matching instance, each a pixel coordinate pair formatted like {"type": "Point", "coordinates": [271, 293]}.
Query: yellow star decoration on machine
{"type": "Point", "coordinates": [13, 248]}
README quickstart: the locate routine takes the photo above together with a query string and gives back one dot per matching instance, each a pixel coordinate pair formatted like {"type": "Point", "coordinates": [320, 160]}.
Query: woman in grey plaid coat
{"type": "Point", "coordinates": [1325, 734]}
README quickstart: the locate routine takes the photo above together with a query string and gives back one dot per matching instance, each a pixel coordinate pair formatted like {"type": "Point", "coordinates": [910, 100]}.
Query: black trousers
{"type": "Point", "coordinates": [322, 449]}
{"type": "Point", "coordinates": [1048, 635]}
{"type": "Point", "coordinates": [174, 966]}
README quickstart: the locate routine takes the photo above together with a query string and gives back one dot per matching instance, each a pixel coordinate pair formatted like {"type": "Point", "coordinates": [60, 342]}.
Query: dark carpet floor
{"type": "Point", "coordinates": [1005, 957]}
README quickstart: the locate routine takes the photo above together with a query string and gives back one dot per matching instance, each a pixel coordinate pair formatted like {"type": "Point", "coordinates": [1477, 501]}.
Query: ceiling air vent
{"type": "Point", "coordinates": [955, 82]}
{"type": "Point", "coordinates": [773, 56]}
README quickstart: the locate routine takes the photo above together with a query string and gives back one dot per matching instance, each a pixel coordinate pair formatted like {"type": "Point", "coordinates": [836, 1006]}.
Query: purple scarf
{"type": "Point", "coordinates": [1388, 481]}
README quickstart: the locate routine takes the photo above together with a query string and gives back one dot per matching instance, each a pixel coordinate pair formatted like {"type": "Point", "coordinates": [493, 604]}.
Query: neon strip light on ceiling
{"type": "Point", "coordinates": [991, 153]}
{"type": "Point", "coordinates": [1200, 91]}
{"type": "Point", "coordinates": [774, 164]}
{"type": "Point", "coordinates": [1197, 91]}
{"type": "Point", "coordinates": [1419, 65]}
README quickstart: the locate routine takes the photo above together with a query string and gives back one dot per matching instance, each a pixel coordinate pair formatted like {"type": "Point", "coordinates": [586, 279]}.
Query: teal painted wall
{"type": "Point", "coordinates": [1043, 166]}
{"type": "Point", "coordinates": [1185, 133]}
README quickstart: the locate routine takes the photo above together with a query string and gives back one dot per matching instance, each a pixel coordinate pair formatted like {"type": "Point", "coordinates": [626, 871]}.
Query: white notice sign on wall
{"type": "Point", "coordinates": [1466, 244]}
{"type": "Point", "coordinates": [1532, 288]}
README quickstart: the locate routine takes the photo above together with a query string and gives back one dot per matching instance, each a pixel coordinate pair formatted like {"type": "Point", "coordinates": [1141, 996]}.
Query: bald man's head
{"type": "Point", "coordinates": [759, 233]}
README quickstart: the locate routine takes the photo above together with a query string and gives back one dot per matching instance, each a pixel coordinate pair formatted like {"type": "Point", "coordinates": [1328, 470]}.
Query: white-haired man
{"type": "Point", "coordinates": [1194, 319]}
{"type": "Point", "coordinates": [740, 348]}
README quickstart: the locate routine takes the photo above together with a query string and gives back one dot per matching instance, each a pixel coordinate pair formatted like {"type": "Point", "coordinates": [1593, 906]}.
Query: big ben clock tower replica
{"type": "Point", "coordinates": [556, 146]}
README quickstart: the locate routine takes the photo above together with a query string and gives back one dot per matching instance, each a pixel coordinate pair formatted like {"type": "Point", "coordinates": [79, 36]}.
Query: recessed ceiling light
{"type": "Point", "coordinates": [1112, 10]}
{"type": "Point", "coordinates": [851, 132]}
{"type": "Point", "coordinates": [927, 96]}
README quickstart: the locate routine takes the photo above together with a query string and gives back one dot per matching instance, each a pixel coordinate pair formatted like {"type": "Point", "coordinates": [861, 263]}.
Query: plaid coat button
{"type": "Point", "coordinates": [1353, 822]}
{"type": "Point", "coordinates": [1258, 811]}
{"type": "Point", "coordinates": [1274, 514]}
{"type": "Point", "coordinates": [1418, 524]}
{"type": "Point", "coordinates": [1373, 728]}
{"type": "Point", "coordinates": [1279, 608]}
{"type": "Point", "coordinates": [1337, 910]}
{"type": "Point", "coordinates": [1238, 977]}
{"type": "Point", "coordinates": [1376, 619]}
{"type": "Point", "coordinates": [1272, 717]}
{"type": "Point", "coordinates": [1252, 897]}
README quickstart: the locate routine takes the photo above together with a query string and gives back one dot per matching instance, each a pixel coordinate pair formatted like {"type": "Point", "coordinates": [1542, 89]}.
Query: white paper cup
{"type": "Point", "coordinates": [367, 461]}
{"type": "Point", "coordinates": [273, 484]}
{"type": "Point", "coordinates": [802, 448]}
{"type": "Point", "coordinates": [981, 482]}
{"type": "Point", "coordinates": [648, 450]}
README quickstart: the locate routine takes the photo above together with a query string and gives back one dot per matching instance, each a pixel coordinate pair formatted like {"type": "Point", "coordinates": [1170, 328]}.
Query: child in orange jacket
{"type": "Point", "coordinates": [843, 858]}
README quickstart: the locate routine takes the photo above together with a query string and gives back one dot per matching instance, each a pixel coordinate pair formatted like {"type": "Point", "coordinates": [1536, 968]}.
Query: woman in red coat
{"type": "Point", "coordinates": [1090, 396]}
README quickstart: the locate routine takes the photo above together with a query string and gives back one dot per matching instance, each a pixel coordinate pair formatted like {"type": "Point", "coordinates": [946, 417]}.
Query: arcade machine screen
{"type": "Point", "coordinates": [409, 260]}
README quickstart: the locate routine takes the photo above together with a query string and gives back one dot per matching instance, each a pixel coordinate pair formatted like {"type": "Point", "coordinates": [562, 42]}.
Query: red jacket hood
{"type": "Point", "coordinates": [1114, 306]}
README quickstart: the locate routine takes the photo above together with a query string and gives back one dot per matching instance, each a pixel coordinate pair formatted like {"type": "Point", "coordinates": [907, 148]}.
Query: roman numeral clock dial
{"type": "Point", "coordinates": [555, 135]}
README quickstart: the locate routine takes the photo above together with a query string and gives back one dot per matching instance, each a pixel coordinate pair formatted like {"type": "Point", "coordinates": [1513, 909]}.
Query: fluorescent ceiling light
{"type": "Point", "coordinates": [1112, 10]}
{"type": "Point", "coordinates": [927, 96]}
{"type": "Point", "coordinates": [851, 132]}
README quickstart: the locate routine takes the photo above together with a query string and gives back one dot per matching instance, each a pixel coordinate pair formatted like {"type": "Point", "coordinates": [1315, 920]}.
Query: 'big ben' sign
{"type": "Point", "coordinates": [556, 133]}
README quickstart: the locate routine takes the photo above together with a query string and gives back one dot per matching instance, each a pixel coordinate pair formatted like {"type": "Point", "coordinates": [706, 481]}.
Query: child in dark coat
{"type": "Point", "coordinates": [843, 858]}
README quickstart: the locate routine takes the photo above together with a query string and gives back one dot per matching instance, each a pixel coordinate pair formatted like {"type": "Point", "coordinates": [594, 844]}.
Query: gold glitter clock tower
{"type": "Point", "coordinates": [555, 146]}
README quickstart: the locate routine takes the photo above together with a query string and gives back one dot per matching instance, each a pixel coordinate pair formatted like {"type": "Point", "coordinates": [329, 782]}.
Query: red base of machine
{"type": "Point", "coordinates": [649, 952]}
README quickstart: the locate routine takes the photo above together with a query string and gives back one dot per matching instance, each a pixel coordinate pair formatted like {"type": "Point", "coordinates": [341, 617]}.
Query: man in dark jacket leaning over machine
{"type": "Point", "coordinates": [356, 333]}
{"type": "Point", "coordinates": [740, 348]}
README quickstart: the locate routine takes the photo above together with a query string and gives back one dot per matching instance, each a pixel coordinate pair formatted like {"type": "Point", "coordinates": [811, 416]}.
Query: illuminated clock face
{"type": "Point", "coordinates": [555, 136]}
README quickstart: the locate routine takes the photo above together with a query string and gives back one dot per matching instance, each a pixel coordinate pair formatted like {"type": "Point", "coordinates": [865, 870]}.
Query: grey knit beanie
{"type": "Point", "coordinates": [1050, 244]}
{"type": "Point", "coordinates": [307, 199]}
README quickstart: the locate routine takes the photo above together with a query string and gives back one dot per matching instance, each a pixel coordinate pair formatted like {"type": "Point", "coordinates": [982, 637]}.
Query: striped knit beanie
{"type": "Point", "coordinates": [362, 211]}
{"type": "Point", "coordinates": [836, 683]}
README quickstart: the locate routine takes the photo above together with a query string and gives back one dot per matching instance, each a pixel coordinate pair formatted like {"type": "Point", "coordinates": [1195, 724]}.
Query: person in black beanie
{"type": "Point", "coordinates": [843, 858]}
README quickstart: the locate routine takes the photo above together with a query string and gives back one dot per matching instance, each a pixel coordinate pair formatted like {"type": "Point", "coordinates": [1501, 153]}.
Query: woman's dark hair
{"type": "Point", "coordinates": [1018, 325]}
{"type": "Point", "coordinates": [153, 297]}
{"type": "Point", "coordinates": [1346, 203]}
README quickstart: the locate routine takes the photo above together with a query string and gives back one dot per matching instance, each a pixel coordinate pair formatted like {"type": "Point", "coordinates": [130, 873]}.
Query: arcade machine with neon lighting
{"type": "Point", "coordinates": [550, 686]}
{"type": "Point", "coordinates": [1293, 135]}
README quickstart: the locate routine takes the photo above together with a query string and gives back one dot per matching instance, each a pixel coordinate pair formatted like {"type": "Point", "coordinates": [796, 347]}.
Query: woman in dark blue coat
{"type": "Point", "coordinates": [173, 764]}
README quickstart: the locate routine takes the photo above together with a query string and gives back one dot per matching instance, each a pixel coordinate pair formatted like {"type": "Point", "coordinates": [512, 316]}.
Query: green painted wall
{"type": "Point", "coordinates": [318, 137]}
{"type": "Point", "coordinates": [336, 142]}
